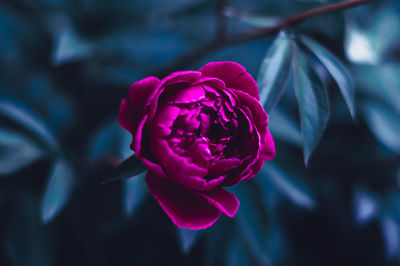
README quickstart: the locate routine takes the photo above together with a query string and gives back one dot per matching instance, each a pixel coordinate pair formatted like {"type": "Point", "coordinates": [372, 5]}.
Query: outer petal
{"type": "Point", "coordinates": [181, 170]}
{"type": "Point", "coordinates": [124, 116]}
{"type": "Point", "coordinates": [183, 207]}
{"type": "Point", "coordinates": [257, 111]}
{"type": "Point", "coordinates": [180, 77]}
{"type": "Point", "coordinates": [234, 75]}
{"type": "Point", "coordinates": [268, 148]}
{"type": "Point", "coordinates": [139, 96]}
{"type": "Point", "coordinates": [221, 199]}
{"type": "Point", "coordinates": [248, 173]}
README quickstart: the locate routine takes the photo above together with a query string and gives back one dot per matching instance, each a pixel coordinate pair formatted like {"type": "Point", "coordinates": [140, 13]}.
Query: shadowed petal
{"type": "Point", "coordinates": [257, 111]}
{"type": "Point", "coordinates": [234, 75]}
{"type": "Point", "coordinates": [188, 95]}
{"type": "Point", "coordinates": [221, 199]}
{"type": "Point", "coordinates": [181, 170]}
{"type": "Point", "coordinates": [125, 117]}
{"type": "Point", "coordinates": [268, 148]}
{"type": "Point", "coordinates": [183, 207]}
{"type": "Point", "coordinates": [139, 97]}
{"type": "Point", "coordinates": [188, 77]}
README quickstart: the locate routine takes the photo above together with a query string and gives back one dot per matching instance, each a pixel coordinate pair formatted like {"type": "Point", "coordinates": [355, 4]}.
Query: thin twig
{"type": "Point", "coordinates": [188, 58]}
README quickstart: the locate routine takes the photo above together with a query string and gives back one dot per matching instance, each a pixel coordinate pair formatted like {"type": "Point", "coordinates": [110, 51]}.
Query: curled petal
{"type": "Point", "coordinates": [221, 199]}
{"type": "Point", "coordinates": [183, 207]}
{"type": "Point", "coordinates": [181, 170]}
{"type": "Point", "coordinates": [234, 75]}
{"type": "Point", "coordinates": [174, 79]}
{"type": "Point", "coordinates": [250, 171]}
{"type": "Point", "coordinates": [188, 95]}
{"type": "Point", "coordinates": [257, 111]}
{"type": "Point", "coordinates": [125, 116]}
{"type": "Point", "coordinates": [161, 126]}
{"type": "Point", "coordinates": [139, 97]}
{"type": "Point", "coordinates": [268, 148]}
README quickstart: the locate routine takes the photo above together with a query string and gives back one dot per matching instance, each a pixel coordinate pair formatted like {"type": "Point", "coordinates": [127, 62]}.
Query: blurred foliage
{"type": "Point", "coordinates": [331, 86]}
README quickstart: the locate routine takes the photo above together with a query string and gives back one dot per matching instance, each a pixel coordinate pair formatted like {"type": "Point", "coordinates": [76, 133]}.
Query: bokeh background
{"type": "Point", "coordinates": [66, 64]}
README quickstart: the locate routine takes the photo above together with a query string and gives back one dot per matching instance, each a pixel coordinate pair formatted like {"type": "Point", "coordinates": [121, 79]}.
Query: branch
{"type": "Point", "coordinates": [188, 58]}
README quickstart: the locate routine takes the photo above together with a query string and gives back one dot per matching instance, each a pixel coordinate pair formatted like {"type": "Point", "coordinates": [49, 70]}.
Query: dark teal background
{"type": "Point", "coordinates": [66, 65]}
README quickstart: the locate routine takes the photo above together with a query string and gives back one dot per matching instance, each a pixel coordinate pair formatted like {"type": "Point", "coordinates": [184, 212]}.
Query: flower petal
{"type": "Point", "coordinates": [124, 116]}
{"type": "Point", "coordinates": [221, 199]}
{"type": "Point", "coordinates": [180, 77]}
{"type": "Point", "coordinates": [181, 170]}
{"type": "Point", "coordinates": [183, 207]}
{"type": "Point", "coordinates": [234, 75]}
{"type": "Point", "coordinates": [268, 148]}
{"type": "Point", "coordinates": [257, 111]}
{"type": "Point", "coordinates": [188, 95]}
{"type": "Point", "coordinates": [139, 97]}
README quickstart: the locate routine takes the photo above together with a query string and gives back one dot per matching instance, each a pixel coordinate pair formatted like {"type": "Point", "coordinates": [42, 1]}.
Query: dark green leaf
{"type": "Point", "coordinates": [381, 82]}
{"type": "Point", "coordinates": [391, 236]}
{"type": "Point", "coordinates": [217, 239]}
{"type": "Point", "coordinates": [282, 126]}
{"type": "Point", "coordinates": [188, 238]}
{"type": "Point", "coordinates": [129, 168]}
{"type": "Point", "coordinates": [371, 42]}
{"type": "Point", "coordinates": [28, 122]}
{"type": "Point", "coordinates": [384, 124]}
{"type": "Point", "coordinates": [365, 206]}
{"type": "Point", "coordinates": [110, 139]}
{"type": "Point", "coordinates": [336, 69]}
{"type": "Point", "coordinates": [28, 241]}
{"type": "Point", "coordinates": [135, 190]}
{"type": "Point", "coordinates": [359, 47]}
{"type": "Point", "coordinates": [237, 254]}
{"type": "Point", "coordinates": [58, 190]}
{"type": "Point", "coordinates": [293, 190]}
{"type": "Point", "coordinates": [69, 47]}
{"type": "Point", "coordinates": [274, 72]}
{"type": "Point", "coordinates": [250, 223]}
{"type": "Point", "coordinates": [253, 20]}
{"type": "Point", "coordinates": [313, 103]}
{"type": "Point", "coordinates": [16, 152]}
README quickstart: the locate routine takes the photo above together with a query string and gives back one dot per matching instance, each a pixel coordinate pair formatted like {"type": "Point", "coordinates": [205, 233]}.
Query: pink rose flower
{"type": "Point", "coordinates": [197, 132]}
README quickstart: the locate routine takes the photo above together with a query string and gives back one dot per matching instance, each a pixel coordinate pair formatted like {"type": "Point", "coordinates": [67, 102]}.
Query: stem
{"type": "Point", "coordinates": [188, 58]}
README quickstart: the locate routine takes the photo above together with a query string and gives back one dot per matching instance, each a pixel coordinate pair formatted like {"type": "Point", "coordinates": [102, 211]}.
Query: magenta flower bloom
{"type": "Point", "coordinates": [197, 132]}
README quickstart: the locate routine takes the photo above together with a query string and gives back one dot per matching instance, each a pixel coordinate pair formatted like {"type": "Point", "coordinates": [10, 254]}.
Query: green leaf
{"type": "Point", "coordinates": [135, 190]}
{"type": "Point", "coordinates": [129, 168]}
{"type": "Point", "coordinates": [293, 190]}
{"type": "Point", "coordinates": [282, 126]}
{"type": "Point", "coordinates": [371, 42]}
{"type": "Point", "coordinates": [188, 238]}
{"type": "Point", "coordinates": [217, 238]}
{"type": "Point", "coordinates": [58, 190]}
{"type": "Point", "coordinates": [16, 152]}
{"type": "Point", "coordinates": [251, 224]}
{"type": "Point", "coordinates": [391, 233]}
{"type": "Point", "coordinates": [27, 240]}
{"type": "Point", "coordinates": [274, 72]}
{"type": "Point", "coordinates": [28, 122]}
{"type": "Point", "coordinates": [250, 19]}
{"type": "Point", "coordinates": [313, 103]}
{"type": "Point", "coordinates": [336, 69]}
{"type": "Point", "coordinates": [237, 254]}
{"type": "Point", "coordinates": [381, 82]}
{"type": "Point", "coordinates": [110, 139]}
{"type": "Point", "coordinates": [69, 47]}
{"type": "Point", "coordinates": [384, 124]}
{"type": "Point", "coordinates": [365, 206]}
